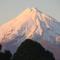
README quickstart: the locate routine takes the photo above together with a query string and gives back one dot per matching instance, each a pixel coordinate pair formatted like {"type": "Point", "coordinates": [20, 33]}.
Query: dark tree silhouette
{"type": "Point", "coordinates": [8, 54]}
{"type": "Point", "coordinates": [5, 55]}
{"type": "Point", "coordinates": [31, 50]}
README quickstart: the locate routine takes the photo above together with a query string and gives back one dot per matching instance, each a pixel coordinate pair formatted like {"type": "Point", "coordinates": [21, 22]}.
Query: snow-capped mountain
{"type": "Point", "coordinates": [31, 23]}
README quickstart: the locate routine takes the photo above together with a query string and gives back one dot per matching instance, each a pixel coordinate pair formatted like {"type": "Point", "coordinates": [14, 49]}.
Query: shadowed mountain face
{"type": "Point", "coordinates": [52, 48]}
{"type": "Point", "coordinates": [32, 24]}
{"type": "Point", "coordinates": [30, 50]}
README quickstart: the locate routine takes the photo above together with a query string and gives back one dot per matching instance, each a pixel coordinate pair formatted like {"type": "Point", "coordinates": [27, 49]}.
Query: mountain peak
{"type": "Point", "coordinates": [31, 23]}
{"type": "Point", "coordinates": [31, 17]}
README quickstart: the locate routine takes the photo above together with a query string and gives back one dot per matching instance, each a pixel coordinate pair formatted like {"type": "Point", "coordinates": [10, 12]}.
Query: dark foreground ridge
{"type": "Point", "coordinates": [31, 50]}
{"type": "Point", "coordinates": [6, 55]}
{"type": "Point", "coordinates": [28, 50]}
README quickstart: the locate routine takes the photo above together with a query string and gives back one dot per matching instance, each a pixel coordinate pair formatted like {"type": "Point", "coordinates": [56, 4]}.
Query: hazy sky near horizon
{"type": "Point", "coordinates": [11, 8]}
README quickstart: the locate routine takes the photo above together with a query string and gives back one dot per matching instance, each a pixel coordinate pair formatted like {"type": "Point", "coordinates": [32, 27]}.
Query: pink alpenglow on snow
{"type": "Point", "coordinates": [33, 24]}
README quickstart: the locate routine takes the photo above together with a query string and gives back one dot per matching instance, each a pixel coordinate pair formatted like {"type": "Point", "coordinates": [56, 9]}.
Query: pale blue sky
{"type": "Point", "coordinates": [11, 8]}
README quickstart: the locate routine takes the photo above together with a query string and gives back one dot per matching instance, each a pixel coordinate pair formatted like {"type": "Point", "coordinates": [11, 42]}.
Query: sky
{"type": "Point", "coordinates": [9, 9]}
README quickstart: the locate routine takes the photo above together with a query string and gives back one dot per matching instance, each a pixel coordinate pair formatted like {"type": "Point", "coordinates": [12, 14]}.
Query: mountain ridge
{"type": "Point", "coordinates": [35, 15]}
{"type": "Point", "coordinates": [31, 23]}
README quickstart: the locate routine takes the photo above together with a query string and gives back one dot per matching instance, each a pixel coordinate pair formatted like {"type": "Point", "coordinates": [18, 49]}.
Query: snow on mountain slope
{"type": "Point", "coordinates": [32, 24]}
{"type": "Point", "coordinates": [16, 24]}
